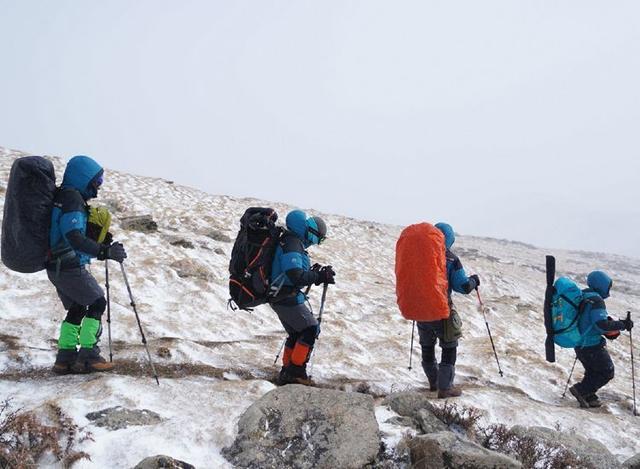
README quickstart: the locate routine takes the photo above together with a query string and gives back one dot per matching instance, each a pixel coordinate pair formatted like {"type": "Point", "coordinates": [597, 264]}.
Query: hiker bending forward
{"type": "Point", "coordinates": [292, 271]}
{"type": "Point", "coordinates": [70, 252]}
{"type": "Point", "coordinates": [593, 323]}
{"type": "Point", "coordinates": [447, 331]}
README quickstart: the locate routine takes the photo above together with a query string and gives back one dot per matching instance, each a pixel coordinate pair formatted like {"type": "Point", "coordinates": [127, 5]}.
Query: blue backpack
{"type": "Point", "coordinates": [566, 306]}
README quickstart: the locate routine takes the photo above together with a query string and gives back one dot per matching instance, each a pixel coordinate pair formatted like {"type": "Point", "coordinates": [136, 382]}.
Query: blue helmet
{"type": "Point", "coordinates": [600, 282]}
{"type": "Point", "coordinates": [84, 175]}
{"type": "Point", "coordinates": [311, 230]}
{"type": "Point", "coordinates": [449, 234]}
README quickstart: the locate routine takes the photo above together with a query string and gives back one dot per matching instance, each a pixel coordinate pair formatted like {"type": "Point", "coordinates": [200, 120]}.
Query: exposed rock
{"type": "Point", "coordinates": [589, 450]}
{"type": "Point", "coordinates": [632, 463]}
{"type": "Point", "coordinates": [162, 462]}
{"type": "Point", "coordinates": [144, 223]}
{"type": "Point", "coordinates": [218, 235]}
{"type": "Point", "coordinates": [183, 243]}
{"type": "Point", "coordinates": [402, 422]}
{"type": "Point", "coordinates": [116, 418]}
{"type": "Point", "coordinates": [163, 352]}
{"type": "Point", "coordinates": [408, 403]}
{"type": "Point", "coordinates": [447, 450]}
{"type": "Point", "coordinates": [302, 427]}
{"type": "Point", "coordinates": [429, 423]}
{"type": "Point", "coordinates": [220, 251]}
{"type": "Point", "coordinates": [186, 268]}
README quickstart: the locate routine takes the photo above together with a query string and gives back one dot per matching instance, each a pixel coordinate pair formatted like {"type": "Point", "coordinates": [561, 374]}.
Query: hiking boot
{"type": "Point", "coordinates": [89, 360]}
{"type": "Point", "coordinates": [280, 378]}
{"type": "Point", "coordinates": [294, 374]}
{"type": "Point", "coordinates": [593, 400]}
{"type": "Point", "coordinates": [65, 359]}
{"type": "Point", "coordinates": [453, 391]}
{"type": "Point", "coordinates": [579, 397]}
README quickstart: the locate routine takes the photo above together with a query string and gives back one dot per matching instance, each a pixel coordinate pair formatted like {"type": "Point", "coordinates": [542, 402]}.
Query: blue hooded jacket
{"type": "Point", "coordinates": [593, 320]}
{"type": "Point", "coordinates": [70, 210]}
{"type": "Point", "coordinates": [291, 263]}
{"type": "Point", "coordinates": [456, 275]}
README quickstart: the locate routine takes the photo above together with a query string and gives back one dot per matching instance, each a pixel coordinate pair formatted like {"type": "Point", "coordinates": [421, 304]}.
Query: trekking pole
{"type": "Point", "coordinates": [566, 386]}
{"type": "Point", "coordinates": [106, 285]}
{"type": "Point", "coordinates": [144, 339]}
{"type": "Point", "coordinates": [306, 293]}
{"type": "Point", "coordinates": [489, 331]}
{"type": "Point", "coordinates": [324, 297]}
{"type": "Point", "coordinates": [633, 370]}
{"type": "Point", "coordinates": [413, 331]}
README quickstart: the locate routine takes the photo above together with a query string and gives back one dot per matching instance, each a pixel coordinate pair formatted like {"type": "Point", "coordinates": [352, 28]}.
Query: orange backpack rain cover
{"type": "Point", "coordinates": [421, 273]}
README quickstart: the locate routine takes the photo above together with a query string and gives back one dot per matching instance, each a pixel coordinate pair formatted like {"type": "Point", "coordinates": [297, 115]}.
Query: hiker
{"type": "Point", "coordinates": [593, 323]}
{"type": "Point", "coordinates": [441, 375]}
{"type": "Point", "coordinates": [71, 250]}
{"type": "Point", "coordinates": [291, 271]}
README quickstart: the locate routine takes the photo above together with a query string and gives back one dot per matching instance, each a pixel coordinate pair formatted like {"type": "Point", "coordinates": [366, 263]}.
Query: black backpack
{"type": "Point", "coordinates": [27, 214]}
{"type": "Point", "coordinates": [251, 258]}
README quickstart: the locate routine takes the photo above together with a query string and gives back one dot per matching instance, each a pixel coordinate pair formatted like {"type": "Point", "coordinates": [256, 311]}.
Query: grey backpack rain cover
{"type": "Point", "coordinates": [27, 214]}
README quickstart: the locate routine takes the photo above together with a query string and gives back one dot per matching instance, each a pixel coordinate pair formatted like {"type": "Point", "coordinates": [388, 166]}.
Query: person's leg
{"type": "Point", "coordinates": [302, 328]}
{"type": "Point", "coordinates": [428, 341]}
{"type": "Point", "coordinates": [447, 367]}
{"type": "Point", "coordinates": [69, 339]}
{"type": "Point", "coordinates": [598, 371]}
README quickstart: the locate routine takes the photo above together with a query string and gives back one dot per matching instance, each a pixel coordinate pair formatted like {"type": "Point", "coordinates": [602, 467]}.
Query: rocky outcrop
{"type": "Point", "coordinates": [632, 463]}
{"type": "Point", "coordinates": [144, 223]}
{"type": "Point", "coordinates": [186, 268]}
{"type": "Point", "coordinates": [302, 427]}
{"type": "Point", "coordinates": [116, 418]}
{"type": "Point", "coordinates": [589, 451]}
{"type": "Point", "coordinates": [447, 450]}
{"type": "Point", "coordinates": [162, 462]}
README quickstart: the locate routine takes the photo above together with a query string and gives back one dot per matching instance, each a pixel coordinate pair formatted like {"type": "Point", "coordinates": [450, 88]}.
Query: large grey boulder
{"type": "Point", "coordinates": [408, 403]}
{"type": "Point", "coordinates": [632, 463]}
{"type": "Point", "coordinates": [447, 450]}
{"type": "Point", "coordinates": [116, 418]}
{"type": "Point", "coordinates": [162, 462]}
{"type": "Point", "coordinates": [417, 407]}
{"type": "Point", "coordinates": [588, 450]}
{"type": "Point", "coordinates": [303, 427]}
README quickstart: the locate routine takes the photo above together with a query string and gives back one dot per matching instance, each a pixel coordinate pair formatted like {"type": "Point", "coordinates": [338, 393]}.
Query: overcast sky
{"type": "Point", "coordinates": [513, 119]}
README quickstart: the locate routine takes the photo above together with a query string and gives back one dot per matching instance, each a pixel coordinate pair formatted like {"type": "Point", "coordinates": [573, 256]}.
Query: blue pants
{"type": "Point", "coordinates": [598, 368]}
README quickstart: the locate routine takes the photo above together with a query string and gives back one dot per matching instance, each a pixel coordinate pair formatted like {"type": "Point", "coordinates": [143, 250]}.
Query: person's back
{"type": "Point", "coordinates": [447, 331]}
{"type": "Point", "coordinates": [594, 323]}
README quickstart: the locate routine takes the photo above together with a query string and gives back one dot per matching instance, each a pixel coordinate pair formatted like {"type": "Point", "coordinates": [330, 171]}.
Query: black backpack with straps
{"type": "Point", "coordinates": [251, 258]}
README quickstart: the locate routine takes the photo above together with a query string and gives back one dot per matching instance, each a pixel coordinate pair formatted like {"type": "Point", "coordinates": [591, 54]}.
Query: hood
{"type": "Point", "coordinates": [297, 223]}
{"type": "Point", "coordinates": [600, 282]}
{"type": "Point", "coordinates": [80, 173]}
{"type": "Point", "coordinates": [449, 234]}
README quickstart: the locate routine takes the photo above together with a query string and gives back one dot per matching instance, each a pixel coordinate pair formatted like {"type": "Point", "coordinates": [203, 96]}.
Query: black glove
{"type": "Point", "coordinates": [108, 238]}
{"type": "Point", "coordinates": [114, 251]}
{"type": "Point", "coordinates": [326, 275]}
{"type": "Point", "coordinates": [315, 267]}
{"type": "Point", "coordinates": [476, 279]}
{"type": "Point", "coordinates": [628, 323]}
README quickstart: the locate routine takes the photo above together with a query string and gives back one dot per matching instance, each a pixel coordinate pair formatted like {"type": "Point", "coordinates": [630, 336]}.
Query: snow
{"type": "Point", "coordinates": [221, 360]}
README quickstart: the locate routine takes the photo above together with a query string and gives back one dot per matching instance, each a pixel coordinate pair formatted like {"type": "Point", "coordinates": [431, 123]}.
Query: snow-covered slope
{"type": "Point", "coordinates": [222, 360]}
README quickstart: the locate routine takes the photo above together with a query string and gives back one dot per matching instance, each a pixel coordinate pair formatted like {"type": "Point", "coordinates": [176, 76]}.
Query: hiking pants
{"type": "Point", "coordinates": [598, 368]}
{"type": "Point", "coordinates": [443, 373]}
{"type": "Point", "coordinates": [84, 301]}
{"type": "Point", "coordinates": [302, 330]}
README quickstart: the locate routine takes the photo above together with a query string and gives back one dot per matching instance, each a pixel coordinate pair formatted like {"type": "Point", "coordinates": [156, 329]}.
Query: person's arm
{"type": "Point", "coordinates": [73, 220]}
{"type": "Point", "coordinates": [292, 262]}
{"type": "Point", "coordinates": [458, 277]}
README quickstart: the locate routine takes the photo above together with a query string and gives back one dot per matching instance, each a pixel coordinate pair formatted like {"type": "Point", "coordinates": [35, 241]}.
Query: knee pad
{"type": "Point", "coordinates": [75, 314]}
{"type": "Point", "coordinates": [96, 309]}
